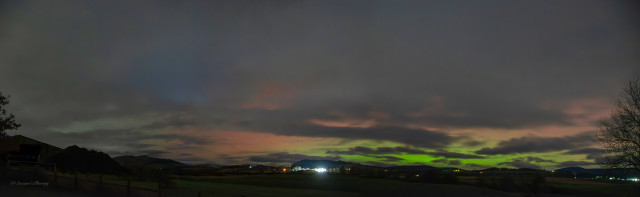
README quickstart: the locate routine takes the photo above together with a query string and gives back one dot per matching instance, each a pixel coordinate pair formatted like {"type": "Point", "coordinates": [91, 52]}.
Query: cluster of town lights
{"type": "Point", "coordinates": [628, 179]}
{"type": "Point", "coordinates": [320, 169]}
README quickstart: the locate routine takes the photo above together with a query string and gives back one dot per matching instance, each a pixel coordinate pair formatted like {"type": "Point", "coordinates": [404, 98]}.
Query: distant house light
{"type": "Point", "coordinates": [320, 169]}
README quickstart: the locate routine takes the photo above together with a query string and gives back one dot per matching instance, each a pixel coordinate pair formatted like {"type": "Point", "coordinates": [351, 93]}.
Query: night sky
{"type": "Point", "coordinates": [465, 84]}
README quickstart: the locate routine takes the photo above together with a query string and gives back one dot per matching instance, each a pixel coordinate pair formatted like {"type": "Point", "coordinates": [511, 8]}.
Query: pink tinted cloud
{"type": "Point", "coordinates": [269, 97]}
{"type": "Point", "coordinates": [344, 123]}
{"type": "Point", "coordinates": [237, 142]}
{"type": "Point", "coordinates": [586, 111]}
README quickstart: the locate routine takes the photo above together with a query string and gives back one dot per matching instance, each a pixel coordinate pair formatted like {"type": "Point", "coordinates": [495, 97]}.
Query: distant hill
{"type": "Point", "coordinates": [308, 163]}
{"type": "Point", "coordinates": [588, 173]}
{"type": "Point", "coordinates": [207, 165]}
{"type": "Point", "coordinates": [573, 169]}
{"type": "Point", "coordinates": [146, 161]}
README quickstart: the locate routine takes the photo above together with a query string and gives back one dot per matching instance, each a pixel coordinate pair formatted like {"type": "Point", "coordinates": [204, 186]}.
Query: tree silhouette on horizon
{"type": "Point", "coordinates": [620, 134]}
{"type": "Point", "coordinates": [7, 120]}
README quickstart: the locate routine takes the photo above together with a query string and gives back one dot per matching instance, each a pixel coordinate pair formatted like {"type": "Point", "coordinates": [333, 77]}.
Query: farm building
{"type": "Point", "coordinates": [21, 148]}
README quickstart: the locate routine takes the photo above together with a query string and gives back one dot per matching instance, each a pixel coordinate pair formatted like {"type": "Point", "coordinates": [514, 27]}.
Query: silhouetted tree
{"type": "Point", "coordinates": [620, 134]}
{"type": "Point", "coordinates": [76, 159]}
{"type": "Point", "coordinates": [7, 121]}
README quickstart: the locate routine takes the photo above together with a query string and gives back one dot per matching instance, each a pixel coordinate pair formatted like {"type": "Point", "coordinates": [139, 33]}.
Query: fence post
{"type": "Point", "coordinates": [100, 182]}
{"type": "Point", "coordinates": [159, 187]}
{"type": "Point", "coordinates": [5, 167]}
{"type": "Point", "coordinates": [128, 185]}
{"type": "Point", "coordinates": [75, 181]}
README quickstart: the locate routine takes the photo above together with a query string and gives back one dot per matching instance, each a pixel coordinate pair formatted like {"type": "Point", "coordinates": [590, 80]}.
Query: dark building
{"type": "Point", "coordinates": [21, 148]}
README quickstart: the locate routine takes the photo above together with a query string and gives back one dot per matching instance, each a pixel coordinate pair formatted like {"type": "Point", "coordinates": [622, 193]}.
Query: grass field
{"type": "Point", "coordinates": [590, 188]}
{"type": "Point", "coordinates": [572, 187]}
{"type": "Point", "coordinates": [328, 185]}
{"type": "Point", "coordinates": [225, 189]}
{"type": "Point", "coordinates": [112, 179]}
{"type": "Point", "coordinates": [342, 185]}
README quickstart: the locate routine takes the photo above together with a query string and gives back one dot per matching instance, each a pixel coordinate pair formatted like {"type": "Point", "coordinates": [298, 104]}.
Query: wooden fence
{"type": "Point", "coordinates": [98, 187]}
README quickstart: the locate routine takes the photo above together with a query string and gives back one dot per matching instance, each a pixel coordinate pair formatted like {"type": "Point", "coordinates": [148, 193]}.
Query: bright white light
{"type": "Point", "coordinates": [320, 169]}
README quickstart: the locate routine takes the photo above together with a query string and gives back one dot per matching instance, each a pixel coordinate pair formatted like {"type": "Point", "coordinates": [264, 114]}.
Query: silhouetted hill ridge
{"type": "Point", "coordinates": [146, 161]}
{"type": "Point", "coordinates": [74, 158]}
{"type": "Point", "coordinates": [616, 172]}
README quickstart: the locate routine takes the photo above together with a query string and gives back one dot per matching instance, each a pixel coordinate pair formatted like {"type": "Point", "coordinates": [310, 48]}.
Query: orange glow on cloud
{"type": "Point", "coordinates": [588, 111]}
{"type": "Point", "coordinates": [583, 114]}
{"type": "Point", "coordinates": [344, 123]}
{"type": "Point", "coordinates": [269, 97]}
{"type": "Point", "coordinates": [241, 144]}
{"type": "Point", "coordinates": [246, 141]}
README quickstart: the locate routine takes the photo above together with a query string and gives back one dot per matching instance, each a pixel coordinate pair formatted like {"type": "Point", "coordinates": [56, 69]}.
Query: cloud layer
{"type": "Point", "coordinates": [532, 144]}
{"type": "Point", "coordinates": [359, 150]}
{"type": "Point", "coordinates": [132, 77]}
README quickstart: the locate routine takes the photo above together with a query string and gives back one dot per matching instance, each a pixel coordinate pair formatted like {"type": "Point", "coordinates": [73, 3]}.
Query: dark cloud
{"type": "Point", "coordinates": [592, 153]}
{"type": "Point", "coordinates": [406, 150]}
{"type": "Point", "coordinates": [388, 158]}
{"type": "Point", "coordinates": [440, 161]}
{"type": "Point", "coordinates": [284, 157]}
{"type": "Point", "coordinates": [415, 137]}
{"type": "Point", "coordinates": [520, 163]}
{"type": "Point", "coordinates": [128, 142]}
{"type": "Point", "coordinates": [472, 143]}
{"type": "Point", "coordinates": [171, 121]}
{"type": "Point", "coordinates": [360, 150]}
{"type": "Point", "coordinates": [446, 161]}
{"type": "Point", "coordinates": [476, 166]}
{"type": "Point", "coordinates": [455, 155]}
{"type": "Point", "coordinates": [531, 144]}
{"type": "Point", "coordinates": [526, 162]}
{"type": "Point", "coordinates": [185, 139]}
{"type": "Point", "coordinates": [537, 159]}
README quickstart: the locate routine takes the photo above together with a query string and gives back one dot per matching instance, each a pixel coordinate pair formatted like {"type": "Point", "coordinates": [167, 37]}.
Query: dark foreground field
{"type": "Point", "coordinates": [315, 185]}
{"type": "Point", "coordinates": [276, 185]}
{"type": "Point", "coordinates": [326, 185]}
{"type": "Point", "coordinates": [336, 185]}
